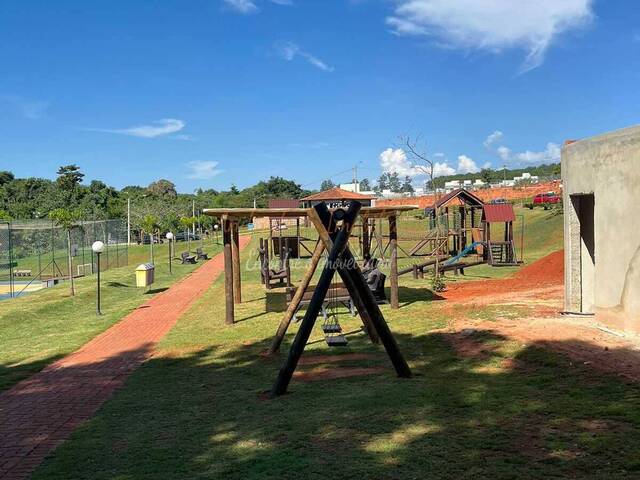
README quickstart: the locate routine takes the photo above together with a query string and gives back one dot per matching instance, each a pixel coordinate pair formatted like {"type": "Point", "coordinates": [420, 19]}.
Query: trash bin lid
{"type": "Point", "coordinates": [145, 266]}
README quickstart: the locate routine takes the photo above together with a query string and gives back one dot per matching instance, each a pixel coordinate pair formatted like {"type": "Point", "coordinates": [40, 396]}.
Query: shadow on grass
{"type": "Point", "coordinates": [496, 410]}
{"type": "Point", "coordinates": [153, 291]}
{"type": "Point", "coordinates": [118, 285]}
{"type": "Point", "coordinates": [13, 373]}
{"type": "Point", "coordinates": [410, 295]}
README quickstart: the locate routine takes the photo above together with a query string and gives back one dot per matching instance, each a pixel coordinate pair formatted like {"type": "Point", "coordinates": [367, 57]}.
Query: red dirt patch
{"type": "Point", "coordinates": [541, 280]}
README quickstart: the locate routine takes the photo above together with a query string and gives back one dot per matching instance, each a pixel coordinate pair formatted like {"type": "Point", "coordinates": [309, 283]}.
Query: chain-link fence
{"type": "Point", "coordinates": [34, 253]}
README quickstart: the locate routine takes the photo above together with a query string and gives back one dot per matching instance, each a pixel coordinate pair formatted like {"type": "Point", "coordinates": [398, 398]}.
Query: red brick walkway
{"type": "Point", "coordinates": [41, 412]}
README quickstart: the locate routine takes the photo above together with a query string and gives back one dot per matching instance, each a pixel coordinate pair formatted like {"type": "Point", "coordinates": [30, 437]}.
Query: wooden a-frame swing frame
{"type": "Point", "coordinates": [335, 240]}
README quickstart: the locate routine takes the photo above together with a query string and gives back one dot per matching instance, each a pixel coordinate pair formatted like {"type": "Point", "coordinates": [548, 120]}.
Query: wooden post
{"type": "Point", "coordinates": [228, 271]}
{"type": "Point", "coordinates": [298, 237]}
{"type": "Point", "coordinates": [267, 282]}
{"type": "Point", "coordinates": [235, 257]}
{"type": "Point", "coordinates": [297, 297]}
{"type": "Point", "coordinates": [262, 258]}
{"type": "Point", "coordinates": [366, 242]}
{"type": "Point", "coordinates": [393, 243]}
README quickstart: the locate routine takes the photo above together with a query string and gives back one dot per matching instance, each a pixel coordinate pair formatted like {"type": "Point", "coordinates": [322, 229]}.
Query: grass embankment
{"type": "Point", "coordinates": [511, 411]}
{"type": "Point", "coordinates": [43, 326]}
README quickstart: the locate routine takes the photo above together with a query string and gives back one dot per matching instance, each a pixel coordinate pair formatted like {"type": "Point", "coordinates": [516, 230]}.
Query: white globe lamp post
{"type": "Point", "coordinates": [170, 238]}
{"type": "Point", "coordinates": [98, 248]}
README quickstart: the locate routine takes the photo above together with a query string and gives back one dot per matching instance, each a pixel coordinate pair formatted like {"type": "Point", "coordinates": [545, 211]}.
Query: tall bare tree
{"type": "Point", "coordinates": [420, 161]}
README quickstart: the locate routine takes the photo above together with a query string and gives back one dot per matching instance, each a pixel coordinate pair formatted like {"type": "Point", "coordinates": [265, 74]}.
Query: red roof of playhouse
{"type": "Point", "coordinates": [283, 203]}
{"type": "Point", "coordinates": [498, 213]}
{"type": "Point", "coordinates": [337, 193]}
{"type": "Point", "coordinates": [462, 194]}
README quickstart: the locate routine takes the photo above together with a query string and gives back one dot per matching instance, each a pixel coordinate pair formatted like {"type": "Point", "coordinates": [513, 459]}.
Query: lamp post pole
{"type": "Point", "coordinates": [98, 311]}
{"type": "Point", "coordinates": [97, 248]}
{"type": "Point", "coordinates": [170, 238]}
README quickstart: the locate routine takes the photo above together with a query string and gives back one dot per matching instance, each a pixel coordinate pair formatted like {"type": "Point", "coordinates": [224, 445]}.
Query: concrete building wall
{"type": "Point", "coordinates": [603, 278]}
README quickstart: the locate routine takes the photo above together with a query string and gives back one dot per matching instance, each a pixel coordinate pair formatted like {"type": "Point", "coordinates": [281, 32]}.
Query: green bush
{"type": "Point", "coordinates": [438, 284]}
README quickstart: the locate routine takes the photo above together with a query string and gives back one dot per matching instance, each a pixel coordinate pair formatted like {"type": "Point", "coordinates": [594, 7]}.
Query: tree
{"type": "Point", "coordinates": [66, 219]}
{"type": "Point", "coordinates": [69, 177]}
{"type": "Point", "coordinates": [487, 175]}
{"type": "Point", "coordinates": [327, 185]}
{"type": "Point", "coordinates": [365, 186]}
{"type": "Point", "coordinates": [406, 185]}
{"type": "Point", "coordinates": [4, 216]}
{"type": "Point", "coordinates": [394, 182]}
{"type": "Point", "coordinates": [149, 225]}
{"type": "Point", "coordinates": [6, 177]}
{"type": "Point", "coordinates": [162, 188]}
{"type": "Point", "coordinates": [234, 190]}
{"type": "Point", "coordinates": [383, 183]}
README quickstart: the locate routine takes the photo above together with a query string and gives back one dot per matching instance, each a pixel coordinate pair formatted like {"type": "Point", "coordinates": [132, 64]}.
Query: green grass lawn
{"type": "Point", "coordinates": [40, 327]}
{"type": "Point", "coordinates": [196, 410]}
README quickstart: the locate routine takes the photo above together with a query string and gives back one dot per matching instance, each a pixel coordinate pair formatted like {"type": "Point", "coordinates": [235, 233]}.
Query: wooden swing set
{"type": "Point", "coordinates": [334, 229]}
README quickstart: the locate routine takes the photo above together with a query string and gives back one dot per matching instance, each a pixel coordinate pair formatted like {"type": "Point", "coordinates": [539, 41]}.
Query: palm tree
{"type": "Point", "coordinates": [66, 219]}
{"type": "Point", "coordinates": [149, 225]}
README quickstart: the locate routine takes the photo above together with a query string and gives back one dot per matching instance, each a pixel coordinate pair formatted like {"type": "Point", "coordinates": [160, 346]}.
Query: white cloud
{"type": "Point", "coordinates": [441, 169]}
{"type": "Point", "coordinates": [551, 154]}
{"type": "Point", "coordinates": [492, 25]}
{"type": "Point", "coordinates": [159, 128]}
{"type": "Point", "coordinates": [242, 6]}
{"type": "Point", "coordinates": [289, 51]}
{"type": "Point", "coordinates": [395, 160]}
{"type": "Point", "coordinates": [203, 170]}
{"type": "Point", "coordinates": [467, 165]}
{"type": "Point", "coordinates": [30, 109]}
{"type": "Point", "coordinates": [495, 137]}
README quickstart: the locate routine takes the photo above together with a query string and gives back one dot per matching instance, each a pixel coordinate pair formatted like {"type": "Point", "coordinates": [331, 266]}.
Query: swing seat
{"type": "Point", "coordinates": [332, 328]}
{"type": "Point", "coordinates": [336, 340]}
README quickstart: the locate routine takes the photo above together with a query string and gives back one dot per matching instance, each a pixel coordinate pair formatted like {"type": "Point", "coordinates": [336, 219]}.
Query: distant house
{"type": "Point", "coordinates": [336, 198]}
{"type": "Point", "coordinates": [355, 187]}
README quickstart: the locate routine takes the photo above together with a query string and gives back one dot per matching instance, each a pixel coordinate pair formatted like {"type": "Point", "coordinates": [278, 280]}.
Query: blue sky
{"type": "Point", "coordinates": [213, 92]}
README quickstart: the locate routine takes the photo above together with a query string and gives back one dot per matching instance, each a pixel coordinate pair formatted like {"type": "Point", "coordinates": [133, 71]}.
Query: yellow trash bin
{"type": "Point", "coordinates": [145, 274]}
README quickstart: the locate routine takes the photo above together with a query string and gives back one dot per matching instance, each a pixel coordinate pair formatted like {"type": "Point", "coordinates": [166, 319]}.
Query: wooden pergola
{"type": "Point", "coordinates": [230, 218]}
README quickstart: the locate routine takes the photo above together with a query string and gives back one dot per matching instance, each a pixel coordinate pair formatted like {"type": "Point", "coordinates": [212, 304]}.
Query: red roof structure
{"type": "Point", "coordinates": [498, 213]}
{"type": "Point", "coordinates": [337, 193]}
{"type": "Point", "coordinates": [463, 195]}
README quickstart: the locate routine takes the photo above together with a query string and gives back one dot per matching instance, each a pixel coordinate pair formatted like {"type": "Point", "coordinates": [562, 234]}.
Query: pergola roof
{"type": "Point", "coordinates": [337, 193]}
{"type": "Point", "coordinates": [371, 212]}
